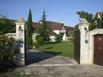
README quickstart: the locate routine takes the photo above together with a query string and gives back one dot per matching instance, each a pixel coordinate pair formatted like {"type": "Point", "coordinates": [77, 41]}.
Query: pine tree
{"type": "Point", "coordinates": [42, 29]}
{"type": "Point", "coordinates": [29, 30]}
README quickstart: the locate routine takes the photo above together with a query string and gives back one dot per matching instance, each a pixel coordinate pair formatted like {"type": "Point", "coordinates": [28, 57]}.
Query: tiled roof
{"type": "Point", "coordinates": [54, 25]}
{"type": "Point", "coordinates": [51, 33]}
{"type": "Point", "coordinates": [100, 13]}
{"type": "Point", "coordinates": [50, 25]}
{"type": "Point", "coordinates": [35, 25]}
{"type": "Point", "coordinates": [68, 29]}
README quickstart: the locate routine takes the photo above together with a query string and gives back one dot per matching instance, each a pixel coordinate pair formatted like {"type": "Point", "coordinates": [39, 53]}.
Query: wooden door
{"type": "Point", "coordinates": [98, 49]}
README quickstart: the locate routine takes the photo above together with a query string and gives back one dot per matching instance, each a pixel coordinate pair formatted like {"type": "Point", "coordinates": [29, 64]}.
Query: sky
{"type": "Point", "coordinates": [56, 10]}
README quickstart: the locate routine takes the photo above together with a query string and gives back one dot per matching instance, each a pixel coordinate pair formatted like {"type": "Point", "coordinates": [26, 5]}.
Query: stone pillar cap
{"type": "Point", "coordinates": [83, 21]}
{"type": "Point", "coordinates": [20, 19]}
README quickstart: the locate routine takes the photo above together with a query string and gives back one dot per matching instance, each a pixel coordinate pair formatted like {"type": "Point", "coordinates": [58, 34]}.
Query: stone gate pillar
{"type": "Point", "coordinates": [83, 27]}
{"type": "Point", "coordinates": [20, 37]}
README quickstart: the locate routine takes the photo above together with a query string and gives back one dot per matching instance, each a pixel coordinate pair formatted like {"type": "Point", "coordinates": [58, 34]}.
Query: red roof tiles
{"type": "Point", "coordinates": [50, 25]}
{"type": "Point", "coordinates": [100, 13]}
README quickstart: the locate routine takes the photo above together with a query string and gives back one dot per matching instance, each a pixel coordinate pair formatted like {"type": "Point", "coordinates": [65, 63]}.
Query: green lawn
{"type": "Point", "coordinates": [14, 74]}
{"type": "Point", "coordinates": [10, 74]}
{"type": "Point", "coordinates": [65, 48]}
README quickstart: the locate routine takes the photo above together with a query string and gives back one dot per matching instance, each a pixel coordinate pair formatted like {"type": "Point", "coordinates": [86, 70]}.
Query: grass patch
{"type": "Point", "coordinates": [11, 74]}
{"type": "Point", "coordinates": [15, 74]}
{"type": "Point", "coordinates": [65, 48]}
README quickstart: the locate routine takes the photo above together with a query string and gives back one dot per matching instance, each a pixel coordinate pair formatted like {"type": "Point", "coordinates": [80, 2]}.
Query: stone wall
{"type": "Point", "coordinates": [84, 43]}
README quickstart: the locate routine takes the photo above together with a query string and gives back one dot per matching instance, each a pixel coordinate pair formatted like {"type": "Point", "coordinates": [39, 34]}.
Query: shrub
{"type": "Point", "coordinates": [39, 41]}
{"type": "Point", "coordinates": [92, 26]}
{"type": "Point", "coordinates": [59, 37]}
{"type": "Point", "coordinates": [8, 50]}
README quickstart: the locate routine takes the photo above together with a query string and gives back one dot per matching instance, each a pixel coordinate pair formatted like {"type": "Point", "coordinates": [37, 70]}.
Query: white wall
{"type": "Point", "coordinates": [17, 30]}
{"type": "Point", "coordinates": [57, 31]}
{"type": "Point", "coordinates": [83, 42]}
{"type": "Point", "coordinates": [61, 31]}
{"type": "Point", "coordinates": [65, 38]}
{"type": "Point", "coordinates": [11, 35]}
{"type": "Point", "coordinates": [53, 38]}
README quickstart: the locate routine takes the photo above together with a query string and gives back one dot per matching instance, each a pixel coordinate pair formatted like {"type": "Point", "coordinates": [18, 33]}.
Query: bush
{"type": "Point", "coordinates": [6, 26]}
{"type": "Point", "coordinates": [92, 26]}
{"type": "Point", "coordinates": [59, 37]}
{"type": "Point", "coordinates": [39, 41]}
{"type": "Point", "coordinates": [8, 50]}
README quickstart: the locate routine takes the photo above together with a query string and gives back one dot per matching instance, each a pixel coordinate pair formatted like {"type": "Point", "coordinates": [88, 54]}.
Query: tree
{"type": "Point", "coordinates": [42, 28]}
{"type": "Point", "coordinates": [89, 17]}
{"type": "Point", "coordinates": [102, 21]}
{"type": "Point", "coordinates": [6, 25]}
{"type": "Point", "coordinates": [39, 41]}
{"type": "Point", "coordinates": [59, 37]}
{"type": "Point", "coordinates": [99, 20]}
{"type": "Point", "coordinates": [29, 30]}
{"type": "Point", "coordinates": [92, 26]}
{"type": "Point", "coordinates": [86, 15]}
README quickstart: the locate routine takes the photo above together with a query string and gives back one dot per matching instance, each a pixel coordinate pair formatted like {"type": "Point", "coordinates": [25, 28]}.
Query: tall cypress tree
{"type": "Point", "coordinates": [29, 30]}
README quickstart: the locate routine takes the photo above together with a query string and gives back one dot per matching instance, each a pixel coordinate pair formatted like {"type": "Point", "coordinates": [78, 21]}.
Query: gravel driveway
{"type": "Point", "coordinates": [62, 71]}
{"type": "Point", "coordinates": [57, 66]}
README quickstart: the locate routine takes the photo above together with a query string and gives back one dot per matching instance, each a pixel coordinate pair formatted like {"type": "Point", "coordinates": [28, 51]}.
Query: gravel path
{"type": "Point", "coordinates": [63, 71]}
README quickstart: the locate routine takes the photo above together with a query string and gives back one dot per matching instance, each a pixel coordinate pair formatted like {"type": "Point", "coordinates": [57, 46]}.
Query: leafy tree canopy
{"type": "Point", "coordinates": [94, 21]}
{"type": "Point", "coordinates": [86, 15]}
{"type": "Point", "coordinates": [6, 25]}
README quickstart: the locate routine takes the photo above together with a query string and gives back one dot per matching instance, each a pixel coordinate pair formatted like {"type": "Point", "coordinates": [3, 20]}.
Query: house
{"type": "Point", "coordinates": [55, 27]}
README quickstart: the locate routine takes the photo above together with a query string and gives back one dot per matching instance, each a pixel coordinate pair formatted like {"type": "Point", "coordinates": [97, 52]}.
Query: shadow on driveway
{"type": "Point", "coordinates": [36, 56]}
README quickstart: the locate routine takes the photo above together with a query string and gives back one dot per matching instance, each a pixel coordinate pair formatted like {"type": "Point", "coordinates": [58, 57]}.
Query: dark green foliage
{"type": "Point", "coordinates": [76, 27]}
{"type": "Point", "coordinates": [6, 26]}
{"type": "Point", "coordinates": [95, 22]}
{"type": "Point", "coordinates": [88, 16]}
{"type": "Point", "coordinates": [42, 28]}
{"type": "Point", "coordinates": [43, 31]}
{"type": "Point", "coordinates": [59, 37]}
{"type": "Point", "coordinates": [8, 50]}
{"type": "Point", "coordinates": [39, 41]}
{"type": "Point", "coordinates": [92, 26]}
{"type": "Point", "coordinates": [102, 21]}
{"type": "Point", "coordinates": [29, 30]}
{"type": "Point", "coordinates": [99, 22]}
